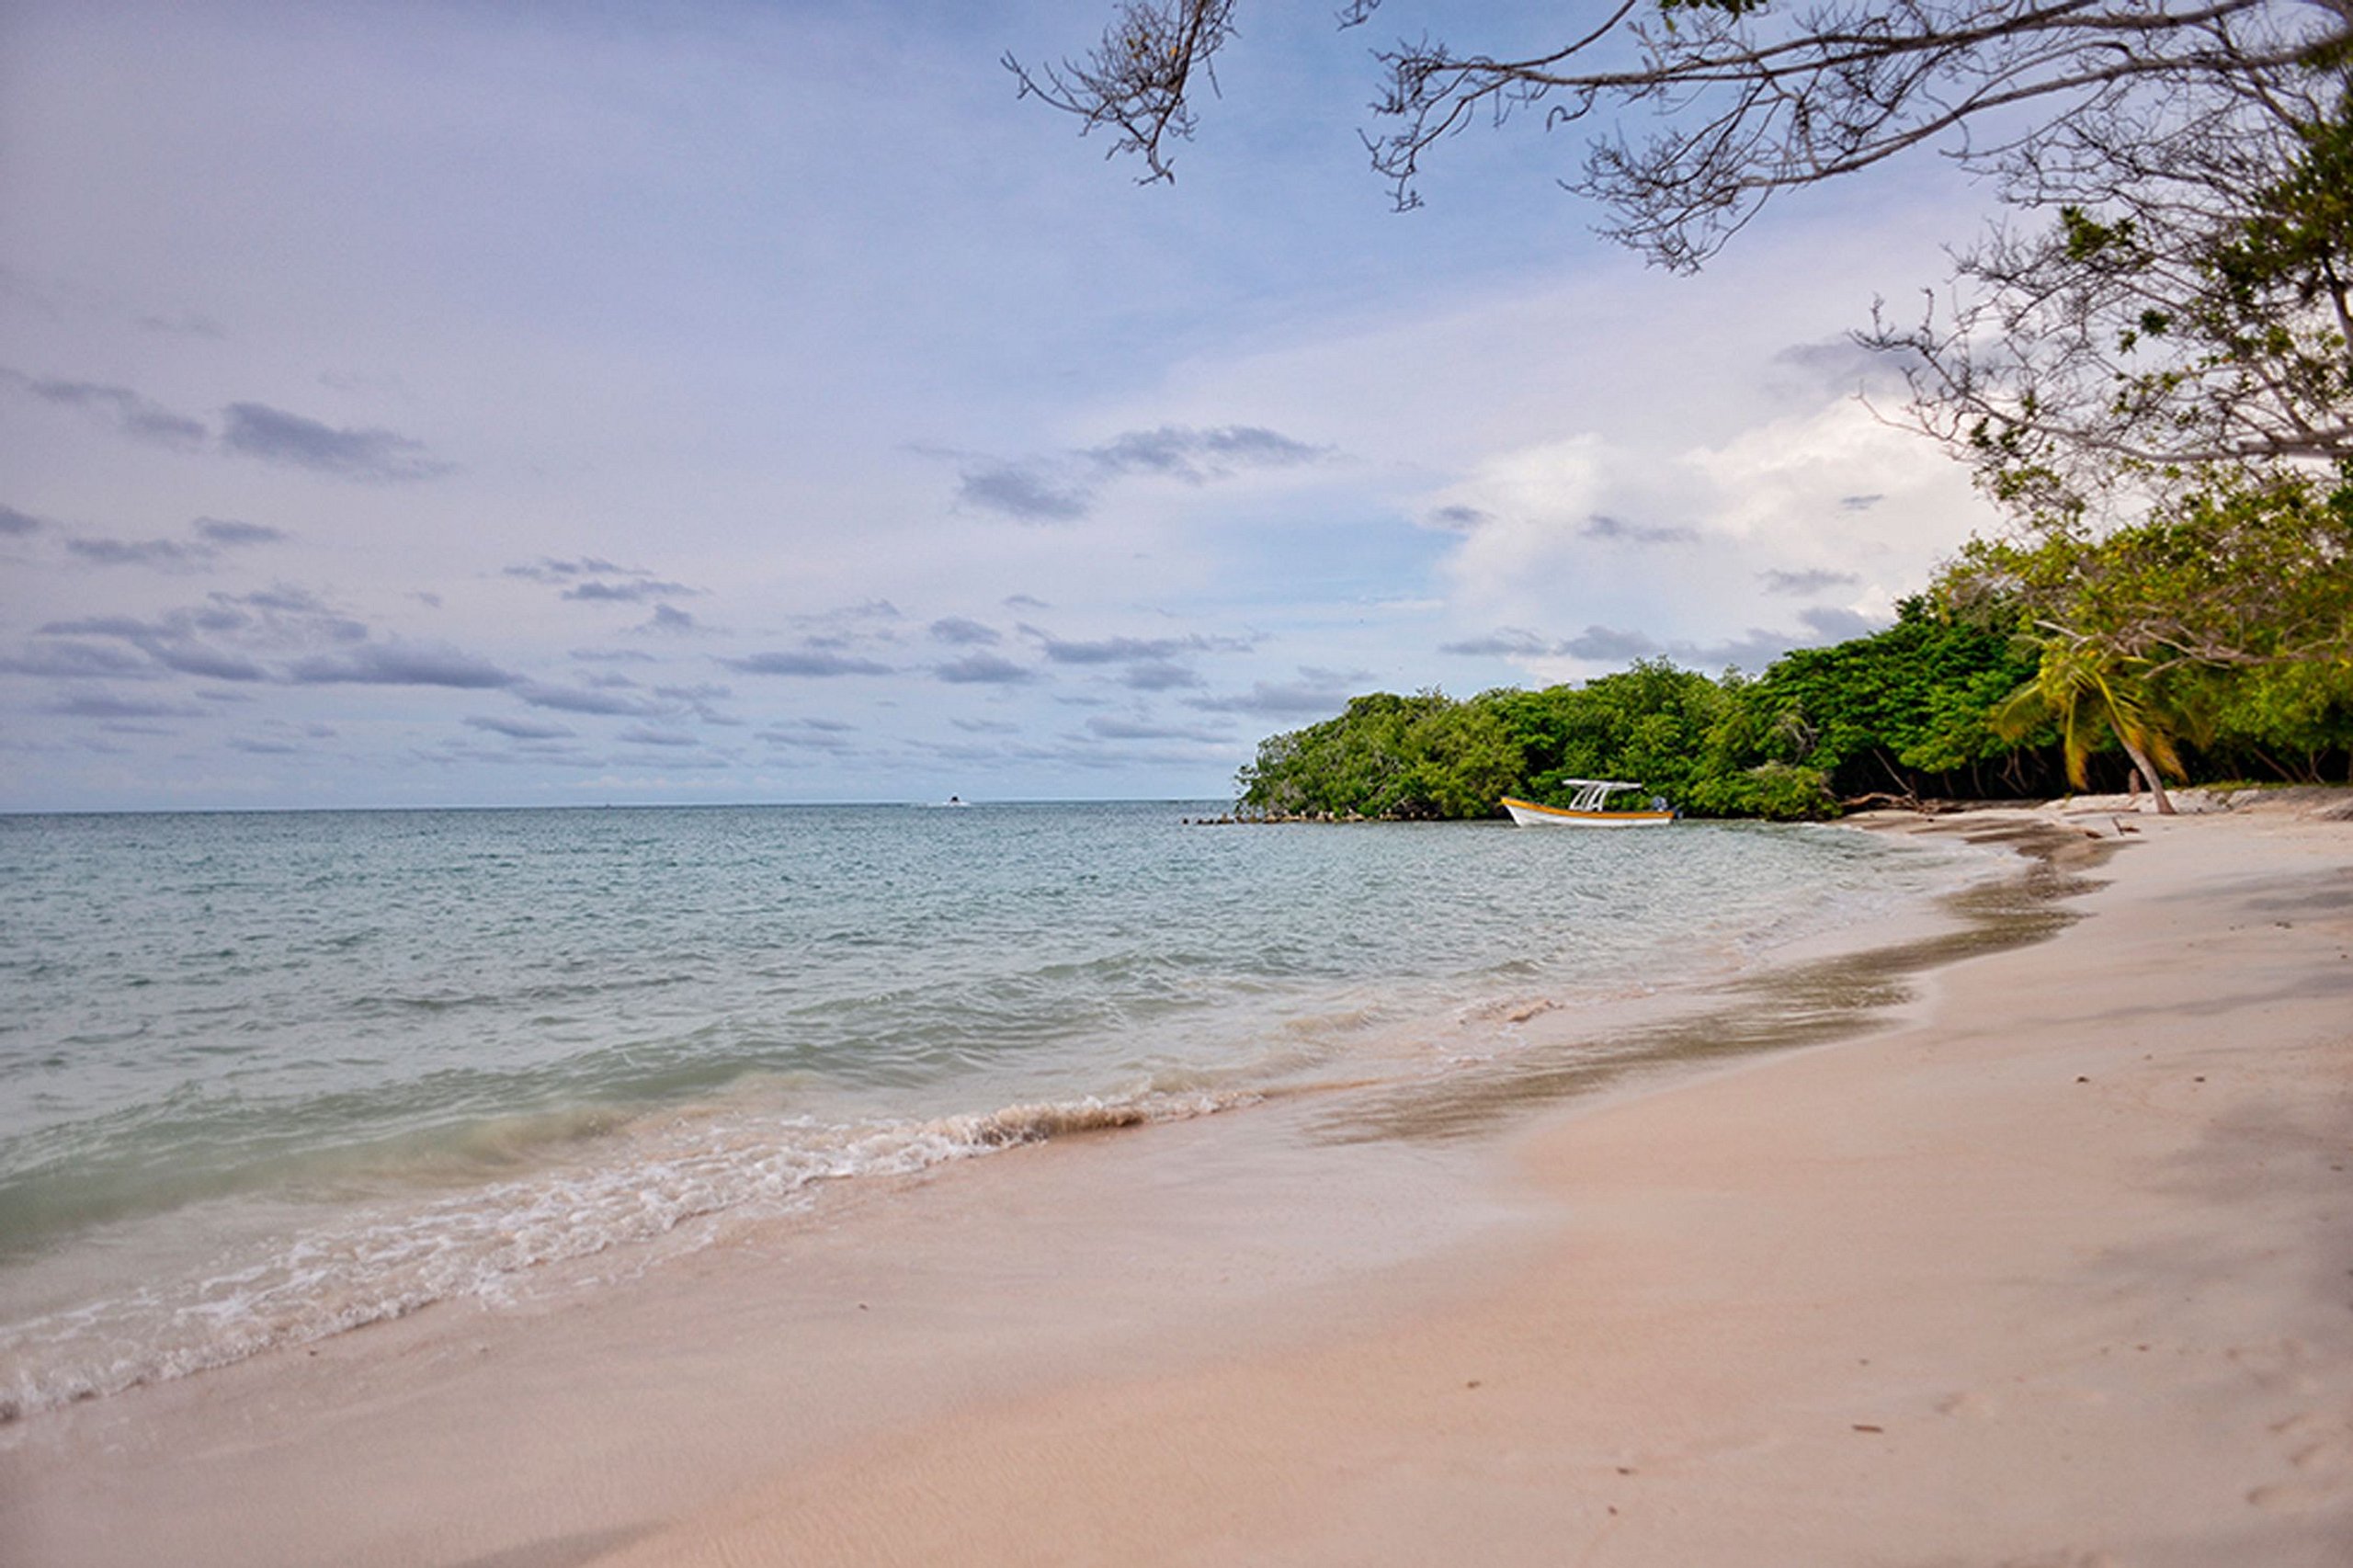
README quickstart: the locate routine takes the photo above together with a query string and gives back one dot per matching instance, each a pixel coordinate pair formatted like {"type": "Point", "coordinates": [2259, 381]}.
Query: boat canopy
{"type": "Point", "coordinates": [1592, 792]}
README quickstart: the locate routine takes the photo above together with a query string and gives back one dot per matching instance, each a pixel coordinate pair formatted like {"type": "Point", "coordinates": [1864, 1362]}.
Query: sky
{"type": "Point", "coordinates": [457, 403]}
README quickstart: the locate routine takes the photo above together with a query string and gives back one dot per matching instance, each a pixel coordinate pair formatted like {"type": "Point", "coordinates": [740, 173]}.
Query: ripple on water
{"type": "Point", "coordinates": [267, 1076]}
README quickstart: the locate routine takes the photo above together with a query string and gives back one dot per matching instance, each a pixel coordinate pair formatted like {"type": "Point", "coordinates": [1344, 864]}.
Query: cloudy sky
{"type": "Point", "coordinates": [477, 403]}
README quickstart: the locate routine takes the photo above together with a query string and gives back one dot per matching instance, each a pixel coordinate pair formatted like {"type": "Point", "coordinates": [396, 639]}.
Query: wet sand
{"type": "Point", "coordinates": [2055, 1269]}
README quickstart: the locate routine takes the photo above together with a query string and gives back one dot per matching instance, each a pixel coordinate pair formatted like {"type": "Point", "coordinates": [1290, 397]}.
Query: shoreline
{"type": "Point", "coordinates": [498, 1207]}
{"type": "Point", "coordinates": [2055, 1274]}
{"type": "Point", "coordinates": [1244, 1339]}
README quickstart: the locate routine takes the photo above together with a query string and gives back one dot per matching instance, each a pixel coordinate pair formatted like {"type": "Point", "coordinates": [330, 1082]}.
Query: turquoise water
{"type": "Point", "coordinates": [268, 1076]}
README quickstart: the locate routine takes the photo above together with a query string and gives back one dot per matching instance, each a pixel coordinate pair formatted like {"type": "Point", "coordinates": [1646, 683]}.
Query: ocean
{"type": "Point", "coordinates": [267, 1077]}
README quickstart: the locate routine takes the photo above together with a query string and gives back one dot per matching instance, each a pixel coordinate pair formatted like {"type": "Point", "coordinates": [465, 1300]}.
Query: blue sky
{"type": "Point", "coordinates": [475, 403]}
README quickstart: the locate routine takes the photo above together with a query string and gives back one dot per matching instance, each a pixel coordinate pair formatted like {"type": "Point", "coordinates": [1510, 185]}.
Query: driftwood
{"type": "Point", "coordinates": [1880, 800]}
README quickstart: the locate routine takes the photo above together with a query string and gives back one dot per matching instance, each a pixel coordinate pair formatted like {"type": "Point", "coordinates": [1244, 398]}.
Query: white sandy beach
{"type": "Point", "coordinates": [2055, 1269]}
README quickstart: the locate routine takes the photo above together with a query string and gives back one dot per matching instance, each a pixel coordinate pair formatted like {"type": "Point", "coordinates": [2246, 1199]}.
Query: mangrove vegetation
{"type": "Point", "coordinates": [1975, 692]}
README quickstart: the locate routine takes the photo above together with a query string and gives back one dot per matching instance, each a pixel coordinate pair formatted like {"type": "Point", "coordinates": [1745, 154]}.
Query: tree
{"type": "Point", "coordinates": [1903, 709]}
{"type": "Point", "coordinates": [2185, 321]}
{"type": "Point", "coordinates": [1424, 755]}
{"type": "Point", "coordinates": [2087, 691]}
{"type": "Point", "coordinates": [1753, 99]}
{"type": "Point", "coordinates": [1429, 756]}
{"type": "Point", "coordinates": [2225, 616]}
{"type": "Point", "coordinates": [2175, 295]}
{"type": "Point", "coordinates": [1138, 81]}
{"type": "Point", "coordinates": [2255, 571]}
{"type": "Point", "coordinates": [2150, 366]}
{"type": "Point", "coordinates": [2286, 720]}
{"type": "Point", "coordinates": [2179, 298]}
{"type": "Point", "coordinates": [1649, 723]}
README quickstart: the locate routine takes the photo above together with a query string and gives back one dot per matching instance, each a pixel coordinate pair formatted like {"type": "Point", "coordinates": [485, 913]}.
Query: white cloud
{"type": "Point", "coordinates": [657, 305]}
{"type": "Point", "coordinates": [1768, 500]}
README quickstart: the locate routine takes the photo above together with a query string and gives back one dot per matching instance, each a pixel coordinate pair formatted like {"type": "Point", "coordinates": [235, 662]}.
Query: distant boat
{"type": "Point", "coordinates": [958, 801]}
{"type": "Point", "coordinates": [1586, 809]}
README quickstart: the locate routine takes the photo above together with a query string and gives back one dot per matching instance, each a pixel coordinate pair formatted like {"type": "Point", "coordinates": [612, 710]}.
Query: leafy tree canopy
{"type": "Point", "coordinates": [1959, 698]}
{"type": "Point", "coordinates": [2256, 569]}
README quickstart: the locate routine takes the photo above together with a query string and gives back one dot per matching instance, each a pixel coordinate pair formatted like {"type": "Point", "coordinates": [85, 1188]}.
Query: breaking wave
{"type": "Point", "coordinates": [676, 1177]}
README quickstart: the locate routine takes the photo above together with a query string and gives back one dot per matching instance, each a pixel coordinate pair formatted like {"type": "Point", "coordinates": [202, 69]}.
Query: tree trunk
{"type": "Point", "coordinates": [2149, 771]}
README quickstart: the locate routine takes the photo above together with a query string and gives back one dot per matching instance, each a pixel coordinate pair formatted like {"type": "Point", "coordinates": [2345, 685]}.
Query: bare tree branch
{"type": "Point", "coordinates": [2192, 305]}
{"type": "Point", "coordinates": [2186, 311]}
{"type": "Point", "coordinates": [1138, 81]}
{"type": "Point", "coordinates": [1754, 101]}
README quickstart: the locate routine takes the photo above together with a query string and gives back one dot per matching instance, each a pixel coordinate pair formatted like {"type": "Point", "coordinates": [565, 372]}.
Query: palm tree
{"type": "Point", "coordinates": [2084, 686]}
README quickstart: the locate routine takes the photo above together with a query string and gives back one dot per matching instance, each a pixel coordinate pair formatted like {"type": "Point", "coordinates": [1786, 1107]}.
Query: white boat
{"type": "Point", "coordinates": [1587, 808]}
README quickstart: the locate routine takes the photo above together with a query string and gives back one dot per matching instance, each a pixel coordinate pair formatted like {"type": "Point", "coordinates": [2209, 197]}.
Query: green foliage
{"type": "Point", "coordinates": [2158, 389]}
{"type": "Point", "coordinates": [2253, 569]}
{"type": "Point", "coordinates": [1876, 712]}
{"type": "Point", "coordinates": [1858, 716]}
{"type": "Point", "coordinates": [1649, 724]}
{"type": "Point", "coordinates": [2217, 632]}
{"type": "Point", "coordinates": [1426, 755]}
{"type": "Point", "coordinates": [2088, 692]}
{"type": "Point", "coordinates": [2284, 721]}
{"type": "Point", "coordinates": [2224, 619]}
{"type": "Point", "coordinates": [1774, 790]}
{"type": "Point", "coordinates": [2087, 239]}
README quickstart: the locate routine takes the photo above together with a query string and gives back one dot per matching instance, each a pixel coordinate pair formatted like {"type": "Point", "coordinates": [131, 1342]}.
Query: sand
{"type": "Point", "coordinates": [2053, 1268]}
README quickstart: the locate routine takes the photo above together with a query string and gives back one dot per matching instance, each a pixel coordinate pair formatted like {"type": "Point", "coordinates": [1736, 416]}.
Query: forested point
{"type": "Point", "coordinates": [2146, 362]}
{"type": "Point", "coordinates": [1943, 705]}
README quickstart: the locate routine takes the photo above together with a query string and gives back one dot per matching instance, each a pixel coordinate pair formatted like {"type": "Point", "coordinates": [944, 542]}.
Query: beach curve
{"type": "Point", "coordinates": [2053, 1272]}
